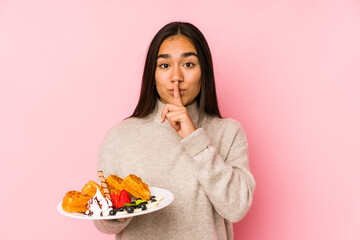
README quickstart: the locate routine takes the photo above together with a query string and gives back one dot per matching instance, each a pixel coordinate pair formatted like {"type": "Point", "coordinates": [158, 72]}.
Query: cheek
{"type": "Point", "coordinates": [156, 77]}
{"type": "Point", "coordinates": [160, 85]}
{"type": "Point", "coordinates": [158, 80]}
{"type": "Point", "coordinates": [198, 87]}
{"type": "Point", "coordinates": [161, 77]}
{"type": "Point", "coordinates": [197, 82]}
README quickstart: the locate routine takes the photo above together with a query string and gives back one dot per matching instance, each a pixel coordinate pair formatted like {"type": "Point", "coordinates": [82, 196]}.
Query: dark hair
{"type": "Point", "coordinates": [206, 100]}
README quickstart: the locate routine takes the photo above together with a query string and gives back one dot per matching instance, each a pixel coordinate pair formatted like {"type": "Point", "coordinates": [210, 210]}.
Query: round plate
{"type": "Point", "coordinates": [167, 195]}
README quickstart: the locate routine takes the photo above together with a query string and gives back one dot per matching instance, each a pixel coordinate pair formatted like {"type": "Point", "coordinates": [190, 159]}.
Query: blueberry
{"type": "Point", "coordinates": [143, 206]}
{"type": "Point", "coordinates": [121, 209]}
{"type": "Point", "coordinates": [112, 212]}
{"type": "Point", "coordinates": [130, 209]}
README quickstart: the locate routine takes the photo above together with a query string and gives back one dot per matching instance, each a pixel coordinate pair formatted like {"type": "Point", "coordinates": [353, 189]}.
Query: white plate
{"type": "Point", "coordinates": [154, 191]}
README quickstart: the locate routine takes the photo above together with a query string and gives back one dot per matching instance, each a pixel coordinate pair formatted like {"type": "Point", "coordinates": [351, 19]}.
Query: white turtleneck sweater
{"type": "Point", "coordinates": [207, 171]}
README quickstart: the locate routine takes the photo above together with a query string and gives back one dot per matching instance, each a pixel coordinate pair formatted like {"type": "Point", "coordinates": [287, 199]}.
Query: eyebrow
{"type": "Point", "coordinates": [184, 55]}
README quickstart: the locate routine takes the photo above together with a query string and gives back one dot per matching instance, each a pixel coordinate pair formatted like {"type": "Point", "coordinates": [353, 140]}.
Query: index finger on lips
{"type": "Point", "coordinates": [177, 98]}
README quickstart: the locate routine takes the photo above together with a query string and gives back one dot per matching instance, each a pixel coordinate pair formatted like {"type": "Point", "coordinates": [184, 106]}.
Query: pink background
{"type": "Point", "coordinates": [287, 70]}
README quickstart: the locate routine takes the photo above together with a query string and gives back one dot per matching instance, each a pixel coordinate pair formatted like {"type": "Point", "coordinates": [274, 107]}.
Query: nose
{"type": "Point", "coordinates": [176, 74]}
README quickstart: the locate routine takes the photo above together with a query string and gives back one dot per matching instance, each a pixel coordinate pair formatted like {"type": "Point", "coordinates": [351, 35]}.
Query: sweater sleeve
{"type": "Point", "coordinates": [107, 163]}
{"type": "Point", "coordinates": [227, 181]}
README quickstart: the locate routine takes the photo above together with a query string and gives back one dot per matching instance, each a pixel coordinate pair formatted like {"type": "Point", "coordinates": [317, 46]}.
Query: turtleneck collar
{"type": "Point", "coordinates": [192, 109]}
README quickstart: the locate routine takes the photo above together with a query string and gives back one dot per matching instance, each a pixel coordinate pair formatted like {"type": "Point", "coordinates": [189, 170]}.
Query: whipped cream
{"type": "Point", "coordinates": [99, 206]}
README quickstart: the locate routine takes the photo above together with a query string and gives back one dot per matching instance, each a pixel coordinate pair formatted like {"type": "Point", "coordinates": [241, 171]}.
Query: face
{"type": "Point", "coordinates": [177, 62]}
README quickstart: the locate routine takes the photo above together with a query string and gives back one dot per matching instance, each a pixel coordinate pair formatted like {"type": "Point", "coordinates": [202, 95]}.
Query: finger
{"type": "Point", "coordinates": [172, 123]}
{"type": "Point", "coordinates": [123, 219]}
{"type": "Point", "coordinates": [176, 116]}
{"type": "Point", "coordinates": [168, 108]}
{"type": "Point", "coordinates": [177, 98]}
{"type": "Point", "coordinates": [163, 114]}
{"type": "Point", "coordinates": [173, 118]}
{"type": "Point", "coordinates": [164, 111]}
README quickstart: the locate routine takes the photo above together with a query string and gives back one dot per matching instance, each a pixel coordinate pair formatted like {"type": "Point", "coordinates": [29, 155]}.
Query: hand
{"type": "Point", "coordinates": [124, 219]}
{"type": "Point", "coordinates": [121, 219]}
{"type": "Point", "coordinates": [177, 115]}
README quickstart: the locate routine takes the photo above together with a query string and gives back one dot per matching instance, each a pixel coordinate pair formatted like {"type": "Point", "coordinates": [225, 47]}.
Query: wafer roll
{"type": "Point", "coordinates": [104, 184]}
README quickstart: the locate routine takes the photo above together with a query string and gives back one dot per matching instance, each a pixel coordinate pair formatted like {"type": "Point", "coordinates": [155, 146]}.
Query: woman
{"type": "Point", "coordinates": [177, 140]}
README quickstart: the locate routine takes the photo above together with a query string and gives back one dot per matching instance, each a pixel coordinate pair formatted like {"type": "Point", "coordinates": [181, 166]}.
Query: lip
{"type": "Point", "coordinates": [181, 91]}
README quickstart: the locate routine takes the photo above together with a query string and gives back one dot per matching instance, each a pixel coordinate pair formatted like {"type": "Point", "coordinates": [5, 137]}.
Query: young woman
{"type": "Point", "coordinates": [177, 140]}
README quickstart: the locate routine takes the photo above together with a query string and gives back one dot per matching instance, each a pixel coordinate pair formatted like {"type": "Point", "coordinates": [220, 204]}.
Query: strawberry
{"type": "Point", "coordinates": [112, 195]}
{"type": "Point", "coordinates": [124, 198]}
{"type": "Point", "coordinates": [115, 199]}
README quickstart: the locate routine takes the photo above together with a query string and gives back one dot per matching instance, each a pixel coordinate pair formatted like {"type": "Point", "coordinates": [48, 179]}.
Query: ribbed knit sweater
{"type": "Point", "coordinates": [207, 171]}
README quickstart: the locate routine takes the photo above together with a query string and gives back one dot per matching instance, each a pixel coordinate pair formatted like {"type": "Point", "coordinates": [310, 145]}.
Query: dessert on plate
{"type": "Point", "coordinates": [136, 187]}
{"type": "Point", "coordinates": [114, 183]}
{"type": "Point", "coordinates": [114, 196]}
{"type": "Point", "coordinates": [75, 201]}
{"type": "Point", "coordinates": [90, 188]}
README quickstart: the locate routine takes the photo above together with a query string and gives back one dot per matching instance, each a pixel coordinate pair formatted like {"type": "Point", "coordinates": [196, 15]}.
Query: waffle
{"type": "Point", "coordinates": [75, 201]}
{"type": "Point", "coordinates": [114, 183]}
{"type": "Point", "coordinates": [90, 188]}
{"type": "Point", "coordinates": [136, 187]}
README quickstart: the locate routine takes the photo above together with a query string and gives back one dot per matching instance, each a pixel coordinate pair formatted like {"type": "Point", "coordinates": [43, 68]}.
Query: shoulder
{"type": "Point", "coordinates": [228, 124]}
{"type": "Point", "coordinates": [123, 129]}
{"type": "Point", "coordinates": [225, 130]}
{"type": "Point", "coordinates": [126, 123]}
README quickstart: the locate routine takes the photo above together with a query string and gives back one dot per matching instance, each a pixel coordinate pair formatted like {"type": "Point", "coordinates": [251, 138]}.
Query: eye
{"type": "Point", "coordinates": [189, 64]}
{"type": "Point", "coordinates": [164, 65]}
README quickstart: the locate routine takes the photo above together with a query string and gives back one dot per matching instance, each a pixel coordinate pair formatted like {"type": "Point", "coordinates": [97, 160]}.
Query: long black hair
{"type": "Point", "coordinates": [206, 100]}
